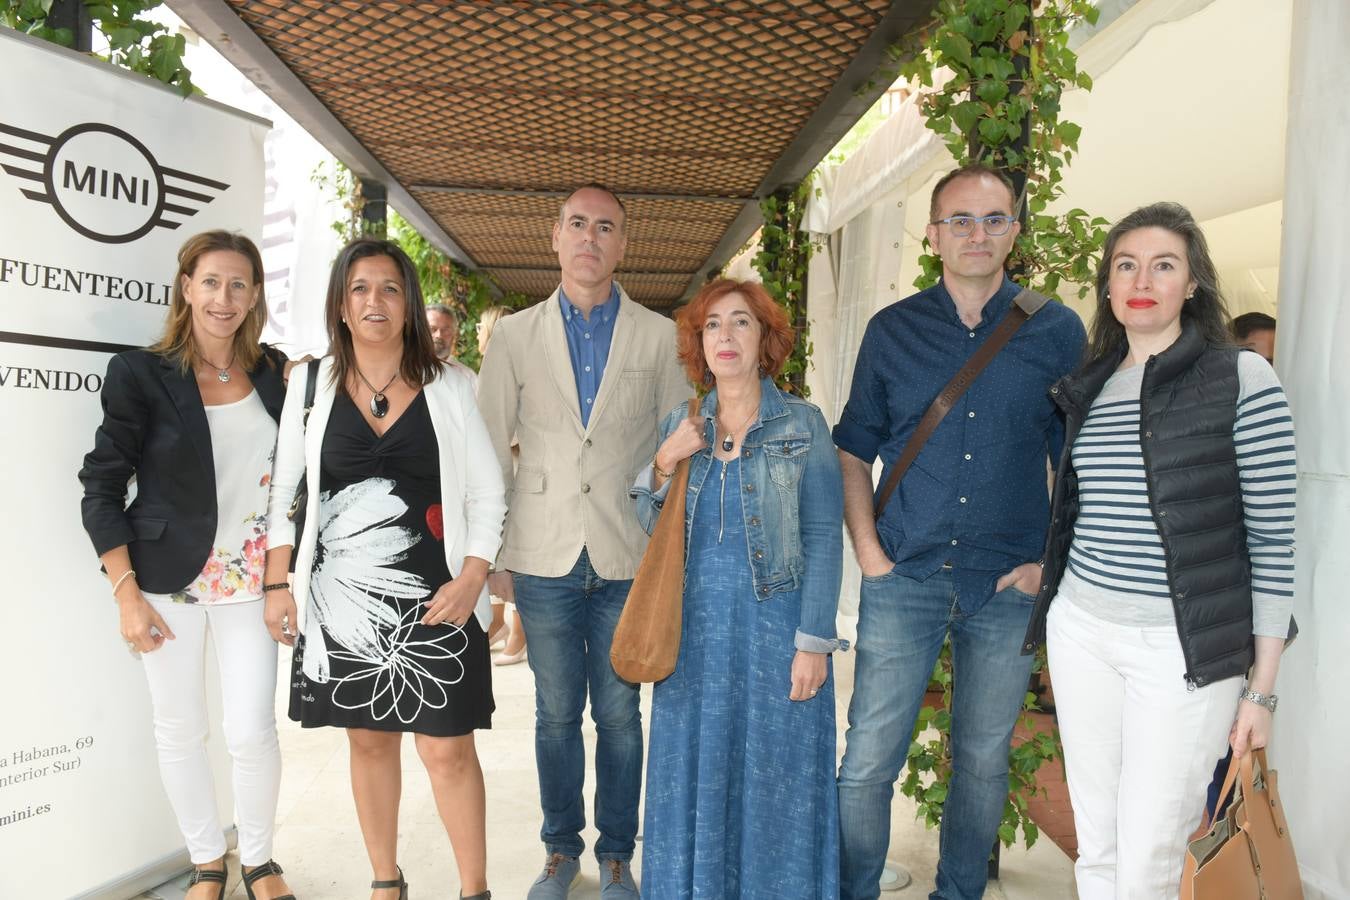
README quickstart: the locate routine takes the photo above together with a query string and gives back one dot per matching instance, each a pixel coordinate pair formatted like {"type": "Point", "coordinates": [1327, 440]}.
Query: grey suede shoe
{"type": "Point", "coordinates": [560, 873]}
{"type": "Point", "coordinates": [616, 880]}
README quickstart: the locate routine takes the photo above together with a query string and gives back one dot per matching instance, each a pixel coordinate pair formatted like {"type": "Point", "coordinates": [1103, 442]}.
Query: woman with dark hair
{"type": "Point", "coordinates": [194, 420]}
{"type": "Point", "coordinates": [741, 798]}
{"type": "Point", "coordinates": [403, 514]}
{"type": "Point", "coordinates": [1170, 555]}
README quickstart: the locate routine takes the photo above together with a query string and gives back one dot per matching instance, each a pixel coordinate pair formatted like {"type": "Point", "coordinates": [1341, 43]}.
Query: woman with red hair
{"type": "Point", "coordinates": [741, 795]}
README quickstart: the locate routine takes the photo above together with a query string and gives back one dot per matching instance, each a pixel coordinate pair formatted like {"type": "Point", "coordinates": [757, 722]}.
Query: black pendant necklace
{"type": "Point", "coordinates": [729, 441]}
{"type": "Point", "coordinates": [379, 403]}
{"type": "Point", "coordinates": [222, 372]}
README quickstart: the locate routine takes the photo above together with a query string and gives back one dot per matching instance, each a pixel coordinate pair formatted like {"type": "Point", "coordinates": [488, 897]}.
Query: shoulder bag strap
{"type": "Point", "coordinates": [311, 382]}
{"type": "Point", "coordinates": [1024, 306]}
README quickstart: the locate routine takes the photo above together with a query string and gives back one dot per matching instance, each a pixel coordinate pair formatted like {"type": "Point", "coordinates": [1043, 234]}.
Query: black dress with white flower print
{"type": "Point", "coordinates": [379, 557]}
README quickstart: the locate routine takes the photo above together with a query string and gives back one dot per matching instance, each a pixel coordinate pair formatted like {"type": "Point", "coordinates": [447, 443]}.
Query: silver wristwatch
{"type": "Point", "coordinates": [1269, 701]}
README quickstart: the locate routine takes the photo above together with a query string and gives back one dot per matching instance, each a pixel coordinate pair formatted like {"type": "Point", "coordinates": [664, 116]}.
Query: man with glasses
{"type": "Point", "coordinates": [953, 552]}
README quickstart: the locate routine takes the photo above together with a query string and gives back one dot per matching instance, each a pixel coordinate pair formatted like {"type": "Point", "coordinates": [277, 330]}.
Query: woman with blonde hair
{"type": "Point", "coordinates": [194, 420]}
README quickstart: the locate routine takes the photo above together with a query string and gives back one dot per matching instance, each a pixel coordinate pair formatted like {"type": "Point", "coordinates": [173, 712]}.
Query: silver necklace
{"type": "Point", "coordinates": [379, 403]}
{"type": "Point", "coordinates": [222, 372]}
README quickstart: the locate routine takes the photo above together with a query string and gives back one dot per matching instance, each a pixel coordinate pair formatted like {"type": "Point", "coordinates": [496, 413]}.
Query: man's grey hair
{"type": "Point", "coordinates": [443, 310]}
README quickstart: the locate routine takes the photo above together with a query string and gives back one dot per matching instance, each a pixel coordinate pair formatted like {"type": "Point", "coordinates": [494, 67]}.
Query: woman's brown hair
{"type": "Point", "coordinates": [176, 342]}
{"type": "Point", "coordinates": [420, 364]}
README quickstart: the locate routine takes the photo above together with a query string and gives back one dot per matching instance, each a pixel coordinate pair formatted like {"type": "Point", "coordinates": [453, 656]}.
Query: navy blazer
{"type": "Point", "coordinates": [154, 428]}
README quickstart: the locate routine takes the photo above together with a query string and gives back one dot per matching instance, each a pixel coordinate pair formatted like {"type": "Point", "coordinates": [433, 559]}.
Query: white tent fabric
{"type": "Point", "coordinates": [1312, 729]}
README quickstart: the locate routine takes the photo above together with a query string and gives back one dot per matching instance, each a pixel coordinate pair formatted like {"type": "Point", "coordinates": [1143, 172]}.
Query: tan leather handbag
{"type": "Point", "coordinates": [1246, 852]}
{"type": "Point", "coordinates": [647, 639]}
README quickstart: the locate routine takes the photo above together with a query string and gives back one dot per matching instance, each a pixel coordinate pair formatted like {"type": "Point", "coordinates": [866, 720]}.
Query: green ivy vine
{"type": "Point", "coordinates": [1010, 63]}
{"type": "Point", "coordinates": [781, 262]}
{"type": "Point", "coordinates": [134, 42]}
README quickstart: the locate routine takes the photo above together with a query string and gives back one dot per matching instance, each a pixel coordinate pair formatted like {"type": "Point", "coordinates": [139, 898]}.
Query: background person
{"type": "Point", "coordinates": [404, 511]}
{"type": "Point", "coordinates": [954, 551]}
{"type": "Point", "coordinates": [443, 322]}
{"type": "Point", "coordinates": [193, 419]}
{"type": "Point", "coordinates": [741, 800]}
{"type": "Point", "coordinates": [1256, 331]}
{"type": "Point", "coordinates": [1170, 563]}
{"type": "Point", "coordinates": [503, 605]}
{"type": "Point", "coordinates": [580, 382]}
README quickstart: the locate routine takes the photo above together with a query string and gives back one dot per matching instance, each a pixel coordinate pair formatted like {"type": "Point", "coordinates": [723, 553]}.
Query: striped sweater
{"type": "Point", "coordinates": [1116, 568]}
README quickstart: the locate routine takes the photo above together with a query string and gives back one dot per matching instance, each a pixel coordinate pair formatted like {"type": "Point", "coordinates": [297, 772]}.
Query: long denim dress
{"type": "Point", "coordinates": [741, 799]}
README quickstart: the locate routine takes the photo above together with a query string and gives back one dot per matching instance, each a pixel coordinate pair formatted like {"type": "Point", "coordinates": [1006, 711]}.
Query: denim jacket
{"type": "Point", "coordinates": [793, 505]}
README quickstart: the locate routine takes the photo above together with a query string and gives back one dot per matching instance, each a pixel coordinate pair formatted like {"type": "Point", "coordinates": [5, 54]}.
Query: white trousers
{"type": "Point", "coordinates": [1139, 750]}
{"type": "Point", "coordinates": [247, 660]}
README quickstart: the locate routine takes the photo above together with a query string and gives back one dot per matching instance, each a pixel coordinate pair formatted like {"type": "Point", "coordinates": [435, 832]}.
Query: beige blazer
{"type": "Point", "coordinates": [569, 489]}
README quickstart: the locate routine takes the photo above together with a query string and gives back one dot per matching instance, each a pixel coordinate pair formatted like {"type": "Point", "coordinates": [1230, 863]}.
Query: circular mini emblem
{"type": "Point", "coordinates": [104, 183]}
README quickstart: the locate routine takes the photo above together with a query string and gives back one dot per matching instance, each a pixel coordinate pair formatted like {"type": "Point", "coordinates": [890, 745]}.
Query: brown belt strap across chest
{"type": "Point", "coordinates": [1024, 306]}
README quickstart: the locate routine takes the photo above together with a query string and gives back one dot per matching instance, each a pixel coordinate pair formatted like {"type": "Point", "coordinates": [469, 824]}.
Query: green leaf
{"type": "Point", "coordinates": [966, 114]}
{"type": "Point", "coordinates": [936, 793]}
{"type": "Point", "coordinates": [992, 131]}
{"type": "Point", "coordinates": [122, 38]}
{"type": "Point", "coordinates": [34, 9]}
{"type": "Point", "coordinates": [1007, 834]}
{"type": "Point", "coordinates": [992, 91]}
{"type": "Point", "coordinates": [953, 48]}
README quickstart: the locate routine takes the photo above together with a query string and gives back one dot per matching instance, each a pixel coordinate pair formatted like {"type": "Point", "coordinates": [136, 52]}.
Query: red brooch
{"type": "Point", "coordinates": [435, 521]}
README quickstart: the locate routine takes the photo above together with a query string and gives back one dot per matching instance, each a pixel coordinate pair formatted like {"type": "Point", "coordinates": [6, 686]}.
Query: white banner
{"type": "Point", "coordinates": [103, 174]}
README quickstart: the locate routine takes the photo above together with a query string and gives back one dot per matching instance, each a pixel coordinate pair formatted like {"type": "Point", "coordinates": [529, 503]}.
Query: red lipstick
{"type": "Point", "coordinates": [1140, 303]}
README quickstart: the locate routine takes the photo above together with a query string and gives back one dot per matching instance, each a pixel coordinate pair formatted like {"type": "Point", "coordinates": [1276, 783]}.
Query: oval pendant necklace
{"type": "Point", "coordinates": [379, 403]}
{"type": "Point", "coordinates": [222, 372]}
{"type": "Point", "coordinates": [729, 441]}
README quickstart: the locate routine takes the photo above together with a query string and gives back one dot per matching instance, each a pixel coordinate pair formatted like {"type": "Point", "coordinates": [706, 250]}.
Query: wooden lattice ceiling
{"type": "Point", "coordinates": [486, 114]}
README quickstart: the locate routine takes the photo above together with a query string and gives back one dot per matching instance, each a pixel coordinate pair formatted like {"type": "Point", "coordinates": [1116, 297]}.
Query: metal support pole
{"type": "Point", "coordinates": [74, 15]}
{"type": "Point", "coordinates": [374, 208]}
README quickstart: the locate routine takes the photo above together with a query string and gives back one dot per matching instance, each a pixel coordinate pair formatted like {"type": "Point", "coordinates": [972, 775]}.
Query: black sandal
{"type": "Point", "coordinates": [401, 884]}
{"type": "Point", "coordinates": [200, 875]}
{"type": "Point", "coordinates": [265, 870]}
{"type": "Point", "coordinates": [486, 895]}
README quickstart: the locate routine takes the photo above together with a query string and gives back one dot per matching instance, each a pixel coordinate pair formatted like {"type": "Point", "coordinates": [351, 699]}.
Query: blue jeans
{"type": "Point", "coordinates": [570, 623]}
{"type": "Point", "coordinates": [901, 627]}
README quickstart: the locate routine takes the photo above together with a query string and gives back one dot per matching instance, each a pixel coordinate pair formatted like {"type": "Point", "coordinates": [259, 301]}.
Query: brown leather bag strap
{"type": "Point", "coordinates": [1025, 305]}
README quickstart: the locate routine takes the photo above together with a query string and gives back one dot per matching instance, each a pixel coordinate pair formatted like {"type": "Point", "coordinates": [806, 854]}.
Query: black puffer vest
{"type": "Point", "coordinates": [1188, 404]}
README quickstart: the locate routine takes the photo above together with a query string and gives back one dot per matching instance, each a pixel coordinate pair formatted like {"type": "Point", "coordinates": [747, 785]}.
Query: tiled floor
{"type": "Point", "coordinates": [319, 843]}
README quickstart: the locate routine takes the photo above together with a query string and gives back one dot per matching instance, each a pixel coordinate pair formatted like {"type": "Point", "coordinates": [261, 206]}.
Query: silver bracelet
{"type": "Point", "coordinates": [1269, 701]}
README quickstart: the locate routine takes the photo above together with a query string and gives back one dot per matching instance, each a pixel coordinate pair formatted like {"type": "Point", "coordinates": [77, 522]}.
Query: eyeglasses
{"type": "Point", "coordinates": [963, 226]}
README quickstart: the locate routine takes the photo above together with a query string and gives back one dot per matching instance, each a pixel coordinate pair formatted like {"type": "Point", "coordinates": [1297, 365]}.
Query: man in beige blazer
{"type": "Point", "coordinates": [580, 382]}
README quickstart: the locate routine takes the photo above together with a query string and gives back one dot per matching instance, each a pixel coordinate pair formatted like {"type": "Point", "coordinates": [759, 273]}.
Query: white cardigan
{"type": "Point", "coordinates": [473, 498]}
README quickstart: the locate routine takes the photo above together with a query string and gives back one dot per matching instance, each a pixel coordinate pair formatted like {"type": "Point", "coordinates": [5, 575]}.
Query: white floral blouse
{"type": "Point", "coordinates": [243, 438]}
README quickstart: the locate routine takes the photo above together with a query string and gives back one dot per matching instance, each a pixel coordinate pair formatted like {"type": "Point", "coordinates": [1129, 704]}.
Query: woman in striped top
{"type": "Point", "coordinates": [1170, 559]}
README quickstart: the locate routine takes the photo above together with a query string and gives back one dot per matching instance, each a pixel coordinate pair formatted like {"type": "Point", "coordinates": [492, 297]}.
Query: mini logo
{"type": "Point", "coordinates": [103, 182]}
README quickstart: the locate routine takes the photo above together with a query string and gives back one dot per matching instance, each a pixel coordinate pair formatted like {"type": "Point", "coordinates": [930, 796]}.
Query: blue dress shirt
{"type": "Point", "coordinates": [588, 346]}
{"type": "Point", "coordinates": [976, 498]}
